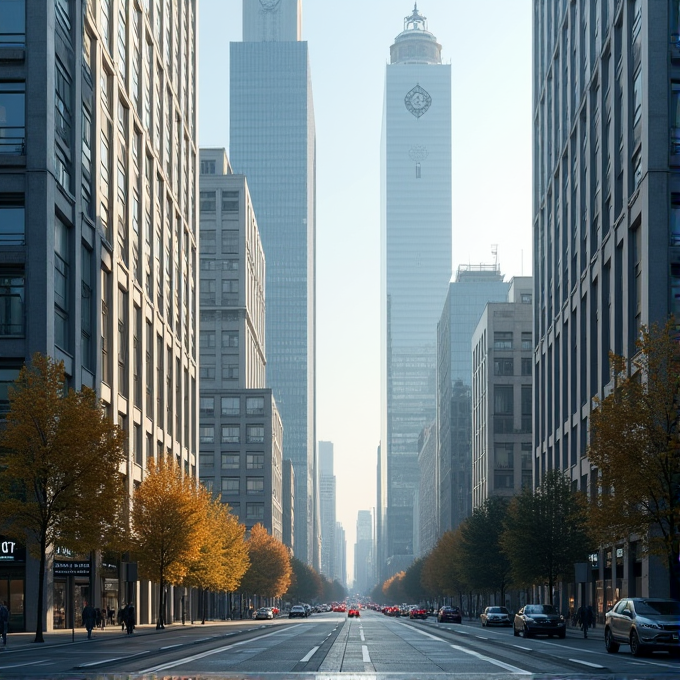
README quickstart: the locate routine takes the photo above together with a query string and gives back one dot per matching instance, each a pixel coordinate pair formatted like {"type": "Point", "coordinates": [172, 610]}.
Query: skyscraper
{"type": "Point", "coordinates": [98, 241]}
{"type": "Point", "coordinates": [272, 142]}
{"type": "Point", "coordinates": [415, 265]}
{"type": "Point", "coordinates": [364, 575]}
{"type": "Point", "coordinates": [327, 500]}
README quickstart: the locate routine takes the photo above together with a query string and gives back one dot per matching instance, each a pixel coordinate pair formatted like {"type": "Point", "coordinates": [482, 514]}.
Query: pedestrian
{"type": "Point", "coordinates": [129, 619]}
{"type": "Point", "coordinates": [97, 618]}
{"type": "Point", "coordinates": [89, 619]}
{"type": "Point", "coordinates": [110, 612]}
{"type": "Point", "coordinates": [591, 617]}
{"type": "Point", "coordinates": [583, 617]}
{"type": "Point", "coordinates": [4, 622]}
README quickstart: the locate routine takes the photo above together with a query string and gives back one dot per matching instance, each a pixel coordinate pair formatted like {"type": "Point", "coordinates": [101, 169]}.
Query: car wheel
{"type": "Point", "coordinates": [526, 633]}
{"type": "Point", "coordinates": [636, 648]}
{"type": "Point", "coordinates": [609, 644]}
{"type": "Point", "coordinates": [515, 632]}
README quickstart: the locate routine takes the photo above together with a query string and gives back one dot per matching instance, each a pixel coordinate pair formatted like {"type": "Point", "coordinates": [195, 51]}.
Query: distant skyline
{"type": "Point", "coordinates": [488, 44]}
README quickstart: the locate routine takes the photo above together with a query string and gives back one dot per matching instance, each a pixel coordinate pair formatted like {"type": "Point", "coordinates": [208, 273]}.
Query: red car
{"type": "Point", "coordinates": [451, 614]}
{"type": "Point", "coordinates": [353, 611]}
{"type": "Point", "coordinates": [417, 613]}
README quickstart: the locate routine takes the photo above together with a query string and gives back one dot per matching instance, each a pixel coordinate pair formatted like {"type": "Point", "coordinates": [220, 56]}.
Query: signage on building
{"type": "Point", "coordinates": [71, 568]}
{"type": "Point", "coordinates": [11, 551]}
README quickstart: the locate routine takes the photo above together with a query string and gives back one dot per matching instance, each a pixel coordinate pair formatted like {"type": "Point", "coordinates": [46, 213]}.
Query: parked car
{"type": "Point", "coordinates": [646, 624]}
{"type": "Point", "coordinates": [495, 616]}
{"type": "Point", "coordinates": [353, 610]}
{"type": "Point", "coordinates": [297, 611]}
{"type": "Point", "coordinates": [264, 613]}
{"type": "Point", "coordinates": [539, 619]}
{"type": "Point", "coordinates": [451, 614]}
{"type": "Point", "coordinates": [418, 613]}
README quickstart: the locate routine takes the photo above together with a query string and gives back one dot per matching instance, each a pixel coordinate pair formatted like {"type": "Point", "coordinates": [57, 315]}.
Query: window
{"type": "Point", "coordinates": [230, 201]}
{"type": "Point", "coordinates": [86, 311]}
{"type": "Point", "coordinates": [526, 298]}
{"type": "Point", "coordinates": [208, 291]}
{"type": "Point", "coordinates": [8, 374]}
{"type": "Point", "coordinates": [207, 339]}
{"type": "Point", "coordinates": [527, 408]}
{"type": "Point", "coordinates": [13, 23]}
{"type": "Point", "coordinates": [231, 486]}
{"type": "Point", "coordinates": [208, 484]}
{"type": "Point", "coordinates": [231, 406]}
{"type": "Point", "coordinates": [12, 284]}
{"type": "Point", "coordinates": [254, 461]}
{"type": "Point", "coordinates": [62, 103]}
{"type": "Point", "coordinates": [675, 119]}
{"type": "Point", "coordinates": [207, 167]}
{"type": "Point", "coordinates": [504, 455]}
{"type": "Point", "coordinates": [637, 98]}
{"type": "Point", "coordinates": [255, 511]}
{"type": "Point", "coordinates": [231, 461]}
{"type": "Point", "coordinates": [207, 373]}
{"type": "Point", "coordinates": [61, 283]}
{"type": "Point", "coordinates": [207, 406]}
{"type": "Point", "coordinates": [255, 485]}
{"type": "Point", "coordinates": [12, 117]}
{"type": "Point", "coordinates": [503, 366]}
{"type": "Point", "coordinates": [230, 372]}
{"type": "Point", "coordinates": [207, 435]}
{"type": "Point", "coordinates": [527, 342]}
{"type": "Point", "coordinates": [206, 460]}
{"type": "Point", "coordinates": [502, 340]}
{"type": "Point", "coordinates": [207, 201]}
{"type": "Point", "coordinates": [527, 366]}
{"type": "Point", "coordinates": [231, 434]}
{"type": "Point", "coordinates": [12, 219]}
{"type": "Point", "coordinates": [674, 226]}
{"type": "Point", "coordinates": [229, 339]}
{"type": "Point", "coordinates": [503, 480]}
{"type": "Point", "coordinates": [255, 434]}
{"type": "Point", "coordinates": [229, 242]}
{"type": "Point", "coordinates": [254, 406]}
{"type": "Point", "coordinates": [503, 399]}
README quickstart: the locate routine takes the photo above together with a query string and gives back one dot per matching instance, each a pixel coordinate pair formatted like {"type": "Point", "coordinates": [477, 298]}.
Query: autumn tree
{"type": "Point", "coordinates": [169, 526]}
{"type": "Point", "coordinates": [635, 445]}
{"type": "Point", "coordinates": [393, 587]}
{"type": "Point", "coordinates": [481, 560]}
{"type": "Point", "coordinates": [442, 569]}
{"type": "Point", "coordinates": [545, 533]}
{"type": "Point", "coordinates": [222, 559]}
{"type": "Point", "coordinates": [305, 583]}
{"type": "Point", "coordinates": [414, 586]}
{"type": "Point", "coordinates": [270, 571]}
{"type": "Point", "coordinates": [59, 468]}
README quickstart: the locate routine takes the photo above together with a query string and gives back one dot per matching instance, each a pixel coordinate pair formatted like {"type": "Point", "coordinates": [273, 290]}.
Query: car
{"type": "Point", "coordinates": [340, 608]}
{"type": "Point", "coordinates": [539, 619]}
{"type": "Point", "coordinates": [495, 616]}
{"type": "Point", "coordinates": [644, 623]}
{"type": "Point", "coordinates": [308, 609]}
{"type": "Point", "coordinates": [297, 611]}
{"type": "Point", "coordinates": [353, 611]}
{"type": "Point", "coordinates": [264, 613]}
{"type": "Point", "coordinates": [451, 614]}
{"type": "Point", "coordinates": [418, 613]}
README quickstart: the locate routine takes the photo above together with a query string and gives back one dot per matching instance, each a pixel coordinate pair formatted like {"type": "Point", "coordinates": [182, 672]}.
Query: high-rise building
{"type": "Point", "coordinates": [364, 575]}
{"type": "Point", "coordinates": [474, 286]}
{"type": "Point", "coordinates": [327, 501]}
{"type": "Point", "coordinates": [240, 433]}
{"type": "Point", "coordinates": [606, 203]}
{"type": "Point", "coordinates": [502, 363]}
{"type": "Point", "coordinates": [98, 242]}
{"type": "Point", "coordinates": [340, 555]}
{"type": "Point", "coordinates": [272, 142]}
{"type": "Point", "coordinates": [427, 525]}
{"type": "Point", "coordinates": [415, 266]}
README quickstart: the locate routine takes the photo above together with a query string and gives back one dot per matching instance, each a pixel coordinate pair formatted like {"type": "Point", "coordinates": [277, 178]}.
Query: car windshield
{"type": "Point", "coordinates": [498, 610]}
{"type": "Point", "coordinates": [540, 609]}
{"type": "Point", "coordinates": [660, 608]}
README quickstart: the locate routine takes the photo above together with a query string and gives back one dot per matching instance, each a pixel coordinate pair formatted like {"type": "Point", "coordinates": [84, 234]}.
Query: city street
{"type": "Point", "coordinates": [325, 646]}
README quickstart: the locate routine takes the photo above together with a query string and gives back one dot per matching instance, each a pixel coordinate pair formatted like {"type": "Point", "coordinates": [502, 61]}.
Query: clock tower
{"type": "Point", "coordinates": [272, 20]}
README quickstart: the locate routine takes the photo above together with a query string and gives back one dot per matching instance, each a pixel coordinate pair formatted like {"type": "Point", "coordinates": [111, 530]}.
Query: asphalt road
{"type": "Point", "coordinates": [329, 646]}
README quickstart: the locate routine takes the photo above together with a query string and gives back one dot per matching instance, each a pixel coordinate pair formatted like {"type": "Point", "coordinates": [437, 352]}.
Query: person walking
{"type": "Point", "coordinates": [4, 622]}
{"type": "Point", "coordinates": [129, 618]}
{"type": "Point", "coordinates": [89, 619]}
{"type": "Point", "coordinates": [585, 618]}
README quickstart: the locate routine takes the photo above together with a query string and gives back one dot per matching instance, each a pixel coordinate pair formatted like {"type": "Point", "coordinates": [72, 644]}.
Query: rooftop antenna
{"type": "Point", "coordinates": [494, 252]}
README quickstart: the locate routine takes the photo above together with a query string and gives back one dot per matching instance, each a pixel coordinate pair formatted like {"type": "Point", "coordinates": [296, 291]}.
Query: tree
{"type": "Point", "coordinates": [545, 533]}
{"type": "Point", "coordinates": [635, 445]}
{"type": "Point", "coordinates": [270, 571]}
{"type": "Point", "coordinates": [413, 584]}
{"type": "Point", "coordinates": [305, 583]}
{"type": "Point", "coordinates": [59, 465]}
{"type": "Point", "coordinates": [482, 562]}
{"type": "Point", "coordinates": [393, 588]}
{"type": "Point", "coordinates": [442, 569]}
{"type": "Point", "coordinates": [169, 526]}
{"type": "Point", "coordinates": [222, 559]}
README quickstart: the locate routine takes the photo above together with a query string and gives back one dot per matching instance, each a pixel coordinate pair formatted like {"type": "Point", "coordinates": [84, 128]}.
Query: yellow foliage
{"type": "Point", "coordinates": [270, 571]}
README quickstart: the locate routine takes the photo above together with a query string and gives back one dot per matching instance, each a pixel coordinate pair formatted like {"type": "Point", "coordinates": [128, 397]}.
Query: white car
{"type": "Point", "coordinates": [495, 616]}
{"type": "Point", "coordinates": [264, 613]}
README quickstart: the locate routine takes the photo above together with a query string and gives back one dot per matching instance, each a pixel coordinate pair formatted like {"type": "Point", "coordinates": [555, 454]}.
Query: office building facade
{"type": "Point", "coordinates": [327, 507]}
{"type": "Point", "coordinates": [363, 554]}
{"type": "Point", "coordinates": [415, 266]}
{"type": "Point", "coordinates": [605, 204]}
{"type": "Point", "coordinates": [241, 434]}
{"type": "Point", "coordinates": [272, 142]}
{"type": "Point", "coordinates": [98, 244]}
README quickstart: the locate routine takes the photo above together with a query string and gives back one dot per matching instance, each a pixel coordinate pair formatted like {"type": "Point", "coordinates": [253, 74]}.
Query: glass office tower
{"type": "Point", "coordinates": [415, 265]}
{"type": "Point", "coordinates": [272, 142]}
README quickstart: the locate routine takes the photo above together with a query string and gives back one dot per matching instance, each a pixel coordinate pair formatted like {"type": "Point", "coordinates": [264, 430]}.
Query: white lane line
{"type": "Point", "coordinates": [19, 665]}
{"type": "Point", "coordinates": [479, 637]}
{"type": "Point", "coordinates": [586, 663]}
{"type": "Point", "coordinates": [460, 632]}
{"type": "Point", "coordinates": [309, 655]}
{"type": "Point", "coordinates": [422, 632]}
{"type": "Point", "coordinates": [210, 652]}
{"type": "Point", "coordinates": [526, 649]}
{"type": "Point", "coordinates": [171, 646]}
{"type": "Point", "coordinates": [96, 663]}
{"type": "Point", "coordinates": [495, 662]}
{"type": "Point", "coordinates": [364, 653]}
{"type": "Point", "coordinates": [361, 633]}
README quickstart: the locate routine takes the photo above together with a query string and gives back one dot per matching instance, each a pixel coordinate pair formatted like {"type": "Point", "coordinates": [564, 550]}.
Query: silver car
{"type": "Point", "coordinates": [495, 616]}
{"type": "Point", "coordinates": [644, 623]}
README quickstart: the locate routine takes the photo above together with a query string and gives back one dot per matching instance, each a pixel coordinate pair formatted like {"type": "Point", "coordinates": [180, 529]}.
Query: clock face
{"type": "Point", "coordinates": [418, 101]}
{"type": "Point", "coordinates": [269, 5]}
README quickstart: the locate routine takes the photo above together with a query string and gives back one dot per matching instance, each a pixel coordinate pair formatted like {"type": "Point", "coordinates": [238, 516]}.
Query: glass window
{"type": "Point", "coordinates": [12, 118]}
{"type": "Point", "coordinates": [231, 461]}
{"type": "Point", "coordinates": [255, 434]}
{"type": "Point", "coordinates": [207, 406]}
{"type": "Point", "coordinates": [527, 366]}
{"type": "Point", "coordinates": [206, 460]}
{"type": "Point", "coordinates": [229, 242]}
{"type": "Point", "coordinates": [231, 486]}
{"type": "Point", "coordinates": [12, 23]}
{"type": "Point", "coordinates": [208, 484]}
{"type": "Point", "coordinates": [504, 455]}
{"type": "Point", "coordinates": [230, 372]}
{"type": "Point", "coordinates": [7, 377]}
{"type": "Point", "coordinates": [254, 461]}
{"type": "Point", "coordinates": [502, 340]}
{"type": "Point", "coordinates": [12, 292]}
{"type": "Point", "coordinates": [207, 167]}
{"type": "Point", "coordinates": [503, 479]}
{"type": "Point", "coordinates": [503, 399]}
{"type": "Point", "coordinates": [231, 434]}
{"type": "Point", "coordinates": [503, 366]}
{"type": "Point", "coordinates": [527, 342]}
{"type": "Point", "coordinates": [637, 98]}
{"type": "Point", "coordinates": [207, 435]}
{"type": "Point", "coordinates": [207, 201]}
{"type": "Point", "coordinates": [254, 406]}
{"type": "Point", "coordinates": [207, 339]}
{"type": "Point", "coordinates": [230, 201]}
{"type": "Point", "coordinates": [255, 485]}
{"type": "Point", "coordinates": [229, 339]}
{"type": "Point", "coordinates": [12, 220]}
{"type": "Point", "coordinates": [207, 373]}
{"type": "Point", "coordinates": [255, 511]}
{"type": "Point", "coordinates": [231, 406]}
{"type": "Point", "coordinates": [62, 103]}
{"type": "Point", "coordinates": [675, 118]}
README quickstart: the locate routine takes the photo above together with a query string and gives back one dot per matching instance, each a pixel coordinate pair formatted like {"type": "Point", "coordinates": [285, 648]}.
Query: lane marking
{"type": "Point", "coordinates": [586, 663]}
{"type": "Point", "coordinates": [361, 633]}
{"type": "Point", "coordinates": [210, 652]}
{"type": "Point", "coordinates": [526, 649]}
{"type": "Point", "coordinates": [30, 663]}
{"type": "Point", "coordinates": [422, 632]}
{"type": "Point", "coordinates": [479, 637]}
{"type": "Point", "coordinates": [364, 653]}
{"type": "Point", "coordinates": [171, 646]}
{"type": "Point", "coordinates": [495, 662]}
{"type": "Point", "coordinates": [309, 655]}
{"type": "Point", "coordinates": [96, 663]}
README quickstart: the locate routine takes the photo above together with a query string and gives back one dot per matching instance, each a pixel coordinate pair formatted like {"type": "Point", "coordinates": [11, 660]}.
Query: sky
{"type": "Point", "coordinates": [488, 44]}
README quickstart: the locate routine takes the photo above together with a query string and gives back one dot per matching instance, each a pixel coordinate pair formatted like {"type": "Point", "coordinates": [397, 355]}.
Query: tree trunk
{"type": "Point", "coordinates": [205, 603]}
{"type": "Point", "coordinates": [41, 591]}
{"type": "Point", "coordinates": [161, 608]}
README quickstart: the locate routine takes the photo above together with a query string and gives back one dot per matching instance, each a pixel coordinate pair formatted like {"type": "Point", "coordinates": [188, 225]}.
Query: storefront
{"type": "Point", "coordinates": [71, 590]}
{"type": "Point", "coordinates": [13, 582]}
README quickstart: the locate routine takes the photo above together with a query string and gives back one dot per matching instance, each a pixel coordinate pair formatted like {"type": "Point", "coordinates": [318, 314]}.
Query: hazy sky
{"type": "Point", "coordinates": [488, 43]}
